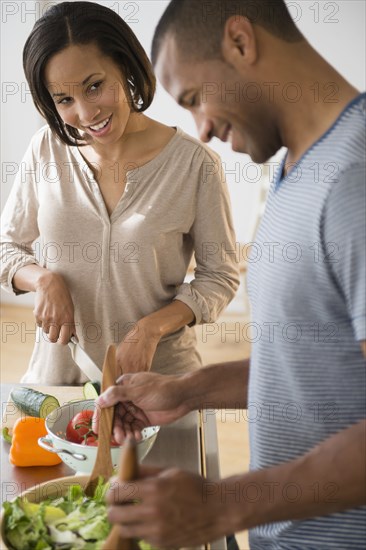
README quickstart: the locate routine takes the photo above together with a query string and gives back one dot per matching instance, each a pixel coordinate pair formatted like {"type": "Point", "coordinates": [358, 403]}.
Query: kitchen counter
{"type": "Point", "coordinates": [190, 444]}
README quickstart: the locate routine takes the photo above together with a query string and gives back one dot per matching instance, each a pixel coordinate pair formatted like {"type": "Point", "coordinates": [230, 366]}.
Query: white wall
{"type": "Point", "coordinates": [336, 29]}
{"type": "Point", "coordinates": [19, 118]}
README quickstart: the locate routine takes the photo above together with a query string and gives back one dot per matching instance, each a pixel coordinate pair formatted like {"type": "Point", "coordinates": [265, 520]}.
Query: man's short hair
{"type": "Point", "coordinates": [198, 25]}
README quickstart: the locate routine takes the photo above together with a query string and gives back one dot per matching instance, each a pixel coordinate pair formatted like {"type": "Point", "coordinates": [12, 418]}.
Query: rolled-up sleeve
{"type": "Point", "coordinates": [19, 226]}
{"type": "Point", "coordinates": [216, 276]}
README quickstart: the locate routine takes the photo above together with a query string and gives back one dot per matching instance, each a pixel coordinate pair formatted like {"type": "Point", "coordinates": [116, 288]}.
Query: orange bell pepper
{"type": "Point", "coordinates": [24, 450]}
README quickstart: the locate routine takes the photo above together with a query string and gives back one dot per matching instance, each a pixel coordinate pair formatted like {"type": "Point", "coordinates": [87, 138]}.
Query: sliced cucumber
{"type": "Point", "coordinates": [33, 402]}
{"type": "Point", "coordinates": [91, 390]}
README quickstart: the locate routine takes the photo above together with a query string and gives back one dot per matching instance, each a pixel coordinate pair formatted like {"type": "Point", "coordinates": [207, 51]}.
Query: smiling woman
{"type": "Point", "coordinates": [79, 24]}
{"type": "Point", "coordinates": [127, 203]}
{"type": "Point", "coordinates": [88, 106]}
{"type": "Point", "coordinates": [97, 107]}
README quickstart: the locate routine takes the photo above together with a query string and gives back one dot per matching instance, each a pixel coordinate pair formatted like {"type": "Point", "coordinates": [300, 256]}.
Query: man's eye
{"type": "Point", "coordinates": [191, 102]}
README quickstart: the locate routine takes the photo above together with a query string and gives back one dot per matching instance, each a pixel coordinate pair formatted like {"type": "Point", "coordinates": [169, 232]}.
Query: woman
{"type": "Point", "coordinates": [119, 202]}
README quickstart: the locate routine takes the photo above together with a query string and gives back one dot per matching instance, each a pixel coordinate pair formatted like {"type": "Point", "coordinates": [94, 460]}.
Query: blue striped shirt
{"type": "Point", "coordinates": [306, 284]}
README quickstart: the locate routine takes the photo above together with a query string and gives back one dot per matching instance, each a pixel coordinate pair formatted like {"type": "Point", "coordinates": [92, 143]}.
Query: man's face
{"type": "Point", "coordinates": [223, 102]}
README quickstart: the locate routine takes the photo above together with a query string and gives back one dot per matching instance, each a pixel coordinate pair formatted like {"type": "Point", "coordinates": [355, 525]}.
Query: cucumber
{"type": "Point", "coordinates": [91, 390]}
{"type": "Point", "coordinates": [6, 435]}
{"type": "Point", "coordinates": [33, 402]}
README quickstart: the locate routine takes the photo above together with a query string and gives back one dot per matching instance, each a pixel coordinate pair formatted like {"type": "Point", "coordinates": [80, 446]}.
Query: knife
{"type": "Point", "coordinates": [84, 362]}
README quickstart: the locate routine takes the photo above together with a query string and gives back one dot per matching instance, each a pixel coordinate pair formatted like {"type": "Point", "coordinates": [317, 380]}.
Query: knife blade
{"type": "Point", "coordinates": [84, 362]}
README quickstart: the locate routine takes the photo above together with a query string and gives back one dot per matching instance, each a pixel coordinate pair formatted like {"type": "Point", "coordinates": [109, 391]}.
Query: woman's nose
{"type": "Point", "coordinates": [88, 112]}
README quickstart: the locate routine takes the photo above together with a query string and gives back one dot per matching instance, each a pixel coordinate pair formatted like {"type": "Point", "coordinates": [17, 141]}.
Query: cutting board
{"type": "Point", "coordinates": [64, 394]}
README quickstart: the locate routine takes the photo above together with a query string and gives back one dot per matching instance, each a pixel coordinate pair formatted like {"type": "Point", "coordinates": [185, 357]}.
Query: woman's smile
{"type": "Point", "coordinates": [101, 128]}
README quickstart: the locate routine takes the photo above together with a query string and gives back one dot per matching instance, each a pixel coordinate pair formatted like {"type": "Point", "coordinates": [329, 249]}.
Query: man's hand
{"type": "Point", "coordinates": [149, 399]}
{"type": "Point", "coordinates": [141, 400]}
{"type": "Point", "coordinates": [176, 508]}
{"type": "Point", "coordinates": [173, 509]}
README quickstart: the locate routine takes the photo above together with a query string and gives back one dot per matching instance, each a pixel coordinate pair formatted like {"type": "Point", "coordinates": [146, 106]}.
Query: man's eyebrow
{"type": "Point", "coordinates": [85, 81]}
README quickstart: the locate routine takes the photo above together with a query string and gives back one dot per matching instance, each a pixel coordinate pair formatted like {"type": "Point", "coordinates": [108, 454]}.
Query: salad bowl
{"type": "Point", "coordinates": [56, 489]}
{"type": "Point", "coordinates": [80, 457]}
{"type": "Point", "coordinates": [50, 489]}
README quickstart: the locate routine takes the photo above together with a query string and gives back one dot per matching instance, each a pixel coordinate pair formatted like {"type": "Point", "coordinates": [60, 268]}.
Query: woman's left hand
{"type": "Point", "coordinates": [136, 351]}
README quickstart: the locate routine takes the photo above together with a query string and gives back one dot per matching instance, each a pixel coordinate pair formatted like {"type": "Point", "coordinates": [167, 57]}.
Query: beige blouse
{"type": "Point", "coordinates": [122, 267]}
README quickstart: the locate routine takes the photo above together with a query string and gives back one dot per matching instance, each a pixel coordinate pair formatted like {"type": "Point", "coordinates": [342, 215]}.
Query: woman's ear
{"type": "Point", "coordinates": [239, 44]}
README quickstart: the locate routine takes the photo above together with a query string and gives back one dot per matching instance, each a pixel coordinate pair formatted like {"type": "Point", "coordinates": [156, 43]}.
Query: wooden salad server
{"type": "Point", "coordinates": [103, 465]}
{"type": "Point", "coordinates": [128, 471]}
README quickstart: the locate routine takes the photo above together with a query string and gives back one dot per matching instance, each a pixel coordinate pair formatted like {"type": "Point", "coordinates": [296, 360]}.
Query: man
{"type": "Point", "coordinates": [247, 75]}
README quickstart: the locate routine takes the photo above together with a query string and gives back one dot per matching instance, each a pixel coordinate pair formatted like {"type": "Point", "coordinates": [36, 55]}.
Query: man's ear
{"type": "Point", "coordinates": [239, 43]}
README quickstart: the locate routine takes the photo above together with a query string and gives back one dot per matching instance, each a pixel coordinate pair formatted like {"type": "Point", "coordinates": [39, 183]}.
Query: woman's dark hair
{"type": "Point", "coordinates": [71, 23]}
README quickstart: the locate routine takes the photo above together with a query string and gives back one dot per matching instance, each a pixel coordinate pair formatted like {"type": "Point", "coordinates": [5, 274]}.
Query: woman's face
{"type": "Point", "coordinates": [88, 90]}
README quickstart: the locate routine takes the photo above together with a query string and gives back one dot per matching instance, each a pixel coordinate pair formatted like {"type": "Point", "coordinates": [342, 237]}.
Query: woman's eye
{"type": "Point", "coordinates": [64, 101]}
{"type": "Point", "coordinates": [94, 87]}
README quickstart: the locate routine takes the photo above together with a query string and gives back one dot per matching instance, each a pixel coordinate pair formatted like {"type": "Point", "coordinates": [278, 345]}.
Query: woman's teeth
{"type": "Point", "coordinates": [100, 126]}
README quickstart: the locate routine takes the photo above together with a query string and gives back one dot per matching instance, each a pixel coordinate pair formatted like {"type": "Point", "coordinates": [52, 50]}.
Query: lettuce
{"type": "Point", "coordinates": [71, 522]}
{"type": "Point", "coordinates": [25, 532]}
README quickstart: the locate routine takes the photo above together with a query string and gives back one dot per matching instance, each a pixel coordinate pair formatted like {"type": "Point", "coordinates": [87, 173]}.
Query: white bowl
{"type": "Point", "coordinates": [79, 457]}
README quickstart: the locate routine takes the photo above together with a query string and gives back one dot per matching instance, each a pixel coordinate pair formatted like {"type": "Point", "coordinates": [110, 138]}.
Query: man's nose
{"type": "Point", "coordinates": [204, 127]}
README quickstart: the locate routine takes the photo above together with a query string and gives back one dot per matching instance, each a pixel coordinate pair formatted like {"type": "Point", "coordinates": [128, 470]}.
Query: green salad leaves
{"type": "Point", "coordinates": [71, 522]}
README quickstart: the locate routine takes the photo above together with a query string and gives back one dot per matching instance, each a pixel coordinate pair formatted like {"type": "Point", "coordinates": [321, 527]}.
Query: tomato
{"type": "Point", "coordinates": [79, 430]}
{"type": "Point", "coordinates": [79, 426]}
{"type": "Point", "coordinates": [91, 440]}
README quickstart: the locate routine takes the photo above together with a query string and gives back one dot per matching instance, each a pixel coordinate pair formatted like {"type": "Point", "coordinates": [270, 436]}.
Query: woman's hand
{"type": "Point", "coordinates": [136, 351]}
{"type": "Point", "coordinates": [53, 308]}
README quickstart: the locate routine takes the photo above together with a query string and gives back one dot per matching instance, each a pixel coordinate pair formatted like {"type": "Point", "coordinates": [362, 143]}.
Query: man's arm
{"type": "Point", "coordinates": [220, 386]}
{"type": "Point", "coordinates": [148, 399]}
{"type": "Point", "coordinates": [363, 347]}
{"type": "Point", "coordinates": [329, 478]}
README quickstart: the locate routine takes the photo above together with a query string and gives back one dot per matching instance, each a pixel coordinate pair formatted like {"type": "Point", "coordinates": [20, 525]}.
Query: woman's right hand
{"type": "Point", "coordinates": [53, 308]}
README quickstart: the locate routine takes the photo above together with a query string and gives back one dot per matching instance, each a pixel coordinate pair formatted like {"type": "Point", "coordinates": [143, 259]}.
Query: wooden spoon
{"type": "Point", "coordinates": [103, 465]}
{"type": "Point", "coordinates": [128, 471]}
